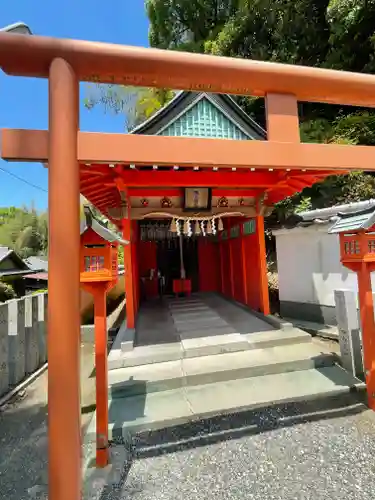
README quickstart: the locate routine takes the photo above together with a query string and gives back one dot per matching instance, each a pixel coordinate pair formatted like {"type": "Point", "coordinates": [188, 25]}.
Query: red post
{"type": "Point", "coordinates": [231, 257]}
{"type": "Point", "coordinates": [282, 117]}
{"type": "Point", "coordinates": [64, 343]}
{"type": "Point", "coordinates": [101, 368]}
{"type": "Point", "coordinates": [128, 264]}
{"type": "Point", "coordinates": [134, 250]}
{"type": "Point", "coordinates": [366, 307]}
{"type": "Point", "coordinates": [244, 265]}
{"type": "Point", "coordinates": [221, 259]}
{"type": "Point", "coordinates": [263, 279]}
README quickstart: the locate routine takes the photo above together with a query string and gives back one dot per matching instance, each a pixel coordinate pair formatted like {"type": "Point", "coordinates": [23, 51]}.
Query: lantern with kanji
{"type": "Point", "coordinates": [99, 252]}
{"type": "Point", "coordinates": [357, 252]}
{"type": "Point", "coordinates": [98, 274]}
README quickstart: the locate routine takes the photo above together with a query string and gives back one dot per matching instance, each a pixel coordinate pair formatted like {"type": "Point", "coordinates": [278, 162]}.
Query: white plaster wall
{"type": "Point", "coordinates": [309, 267]}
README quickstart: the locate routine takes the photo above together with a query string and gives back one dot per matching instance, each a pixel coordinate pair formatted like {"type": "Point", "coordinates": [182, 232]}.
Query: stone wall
{"type": "Point", "coordinates": [23, 338]}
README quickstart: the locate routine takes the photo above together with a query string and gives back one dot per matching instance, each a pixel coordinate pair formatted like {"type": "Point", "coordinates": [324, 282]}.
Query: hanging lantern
{"type": "Point", "coordinates": [221, 225]}
{"type": "Point", "coordinates": [209, 227]}
{"type": "Point", "coordinates": [197, 228]}
{"type": "Point", "coordinates": [173, 227]}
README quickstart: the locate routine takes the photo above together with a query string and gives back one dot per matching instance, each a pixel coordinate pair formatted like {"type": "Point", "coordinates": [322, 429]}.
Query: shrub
{"type": "Point", "coordinates": [6, 291]}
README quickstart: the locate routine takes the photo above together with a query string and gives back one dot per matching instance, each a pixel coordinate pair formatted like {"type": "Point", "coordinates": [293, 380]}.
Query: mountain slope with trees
{"type": "Point", "coordinates": [24, 230]}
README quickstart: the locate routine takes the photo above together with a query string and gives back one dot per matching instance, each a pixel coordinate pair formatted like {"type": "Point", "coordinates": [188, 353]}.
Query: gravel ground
{"type": "Point", "coordinates": [288, 453]}
{"type": "Point", "coordinates": [23, 434]}
{"type": "Point", "coordinates": [317, 460]}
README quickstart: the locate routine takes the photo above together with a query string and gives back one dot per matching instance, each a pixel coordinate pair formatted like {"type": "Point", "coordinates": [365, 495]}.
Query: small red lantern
{"type": "Point", "coordinates": [357, 248]}
{"type": "Point", "coordinates": [98, 274]}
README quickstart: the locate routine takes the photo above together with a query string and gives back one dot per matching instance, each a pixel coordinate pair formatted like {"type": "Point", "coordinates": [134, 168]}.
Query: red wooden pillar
{"type": "Point", "coordinates": [244, 264]}
{"type": "Point", "coordinates": [134, 245]}
{"type": "Point", "coordinates": [99, 292]}
{"type": "Point", "coordinates": [221, 263]}
{"type": "Point", "coordinates": [263, 279]}
{"type": "Point", "coordinates": [231, 257]}
{"type": "Point", "coordinates": [366, 308]}
{"type": "Point", "coordinates": [64, 319]}
{"type": "Point", "coordinates": [128, 265]}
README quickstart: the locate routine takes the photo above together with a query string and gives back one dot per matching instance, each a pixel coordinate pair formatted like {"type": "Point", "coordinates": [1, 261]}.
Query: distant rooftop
{"type": "Point", "coordinates": [4, 252]}
{"type": "Point", "coordinates": [37, 262]}
{"type": "Point", "coordinates": [329, 216]}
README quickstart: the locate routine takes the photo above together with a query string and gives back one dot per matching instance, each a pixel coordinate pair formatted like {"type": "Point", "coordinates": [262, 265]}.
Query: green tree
{"type": "Point", "coordinates": [187, 24]}
{"type": "Point", "coordinates": [327, 33]}
{"type": "Point", "coordinates": [136, 104]}
{"type": "Point", "coordinates": [24, 230]}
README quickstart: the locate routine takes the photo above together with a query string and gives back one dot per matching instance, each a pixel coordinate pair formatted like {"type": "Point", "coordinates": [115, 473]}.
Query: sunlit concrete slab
{"type": "Point", "coordinates": [273, 338]}
{"type": "Point", "coordinates": [216, 367]}
{"type": "Point", "coordinates": [254, 363]}
{"type": "Point", "coordinates": [137, 380]}
{"type": "Point", "coordinates": [243, 394]}
{"type": "Point", "coordinates": [144, 355]}
{"type": "Point", "coordinates": [159, 410]}
{"type": "Point", "coordinates": [137, 413]}
{"type": "Point", "coordinates": [214, 344]}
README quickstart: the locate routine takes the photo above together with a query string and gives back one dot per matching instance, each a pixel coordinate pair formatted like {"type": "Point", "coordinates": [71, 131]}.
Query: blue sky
{"type": "Point", "coordinates": [24, 101]}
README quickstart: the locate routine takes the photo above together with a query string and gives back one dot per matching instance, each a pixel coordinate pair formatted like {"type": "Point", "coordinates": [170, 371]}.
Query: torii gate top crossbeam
{"type": "Point", "coordinates": [108, 63]}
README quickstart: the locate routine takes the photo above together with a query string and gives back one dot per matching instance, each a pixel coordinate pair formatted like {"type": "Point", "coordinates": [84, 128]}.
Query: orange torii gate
{"type": "Point", "coordinates": [64, 147]}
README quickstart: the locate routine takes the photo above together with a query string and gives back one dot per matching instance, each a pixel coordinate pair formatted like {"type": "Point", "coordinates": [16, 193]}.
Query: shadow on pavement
{"type": "Point", "coordinates": [234, 426]}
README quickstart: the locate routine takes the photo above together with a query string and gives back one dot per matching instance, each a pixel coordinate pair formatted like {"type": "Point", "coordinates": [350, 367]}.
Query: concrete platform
{"type": "Point", "coordinates": [195, 373]}
{"type": "Point", "coordinates": [330, 332]}
{"type": "Point", "coordinates": [215, 368]}
{"type": "Point", "coordinates": [168, 408]}
{"type": "Point", "coordinates": [202, 325]}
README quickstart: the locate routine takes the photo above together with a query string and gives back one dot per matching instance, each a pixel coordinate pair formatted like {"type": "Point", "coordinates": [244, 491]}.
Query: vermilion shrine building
{"type": "Point", "coordinates": [228, 261]}
{"type": "Point", "coordinates": [142, 177]}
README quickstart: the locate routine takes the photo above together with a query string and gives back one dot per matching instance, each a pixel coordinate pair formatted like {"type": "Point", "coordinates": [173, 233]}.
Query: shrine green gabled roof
{"type": "Point", "coordinates": [191, 114]}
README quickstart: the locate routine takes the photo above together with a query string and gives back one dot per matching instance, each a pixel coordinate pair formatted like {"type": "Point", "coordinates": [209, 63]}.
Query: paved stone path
{"type": "Point", "coordinates": [201, 315]}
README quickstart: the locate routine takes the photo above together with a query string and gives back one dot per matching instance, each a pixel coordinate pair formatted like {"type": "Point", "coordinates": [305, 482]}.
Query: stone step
{"type": "Point", "coordinates": [164, 409]}
{"type": "Point", "coordinates": [215, 368]}
{"type": "Point", "coordinates": [197, 346]}
{"type": "Point", "coordinates": [274, 338]}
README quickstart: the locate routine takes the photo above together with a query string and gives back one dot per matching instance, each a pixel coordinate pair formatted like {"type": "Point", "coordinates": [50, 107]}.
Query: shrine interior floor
{"type": "Point", "coordinates": [169, 320]}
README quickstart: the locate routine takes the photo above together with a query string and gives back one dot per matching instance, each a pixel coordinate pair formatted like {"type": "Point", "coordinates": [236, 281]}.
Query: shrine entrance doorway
{"type": "Point", "coordinates": [169, 261]}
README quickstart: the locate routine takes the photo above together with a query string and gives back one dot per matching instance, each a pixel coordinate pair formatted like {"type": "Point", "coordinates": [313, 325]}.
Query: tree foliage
{"type": "Point", "coordinates": [24, 230]}
{"type": "Point", "coordinates": [336, 34]}
{"type": "Point", "coordinates": [136, 104]}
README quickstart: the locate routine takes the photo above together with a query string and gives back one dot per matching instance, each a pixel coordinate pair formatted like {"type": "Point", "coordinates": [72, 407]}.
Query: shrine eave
{"type": "Point", "coordinates": [112, 163]}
